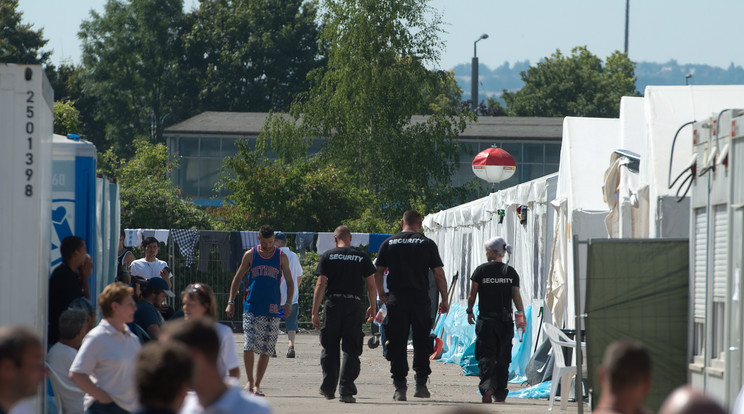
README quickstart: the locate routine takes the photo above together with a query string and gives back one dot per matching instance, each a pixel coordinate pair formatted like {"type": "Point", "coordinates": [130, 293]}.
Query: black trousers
{"type": "Point", "coordinates": [493, 346]}
{"type": "Point", "coordinates": [342, 331]}
{"type": "Point", "coordinates": [409, 313]}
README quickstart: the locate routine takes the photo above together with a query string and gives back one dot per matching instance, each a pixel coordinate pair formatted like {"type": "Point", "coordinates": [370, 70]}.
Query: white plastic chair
{"type": "Point", "coordinates": [59, 386]}
{"type": "Point", "coordinates": [561, 372]}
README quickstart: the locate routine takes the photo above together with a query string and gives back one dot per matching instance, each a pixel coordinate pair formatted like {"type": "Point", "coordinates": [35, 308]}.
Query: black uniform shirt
{"type": "Point", "coordinates": [64, 287]}
{"type": "Point", "coordinates": [495, 287]}
{"type": "Point", "coordinates": [345, 269]}
{"type": "Point", "coordinates": [409, 256]}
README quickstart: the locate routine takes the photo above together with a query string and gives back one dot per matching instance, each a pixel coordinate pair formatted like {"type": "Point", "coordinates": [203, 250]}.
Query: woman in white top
{"type": "Point", "coordinates": [104, 366]}
{"type": "Point", "coordinates": [199, 301]}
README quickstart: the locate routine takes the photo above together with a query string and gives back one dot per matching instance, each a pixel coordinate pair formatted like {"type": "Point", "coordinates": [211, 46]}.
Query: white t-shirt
{"type": "Point", "coordinates": [107, 356]}
{"type": "Point", "coordinates": [60, 358]}
{"type": "Point", "coordinates": [228, 356]}
{"type": "Point", "coordinates": [234, 400]}
{"type": "Point", "coordinates": [296, 268]}
{"type": "Point", "coordinates": [148, 270]}
{"type": "Point", "coordinates": [384, 280]}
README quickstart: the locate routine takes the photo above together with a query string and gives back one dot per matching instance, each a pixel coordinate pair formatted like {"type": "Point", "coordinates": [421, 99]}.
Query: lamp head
{"type": "Point", "coordinates": [484, 36]}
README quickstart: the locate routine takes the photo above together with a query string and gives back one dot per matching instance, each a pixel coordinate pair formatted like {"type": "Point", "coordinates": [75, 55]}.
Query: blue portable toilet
{"type": "Point", "coordinates": [73, 195]}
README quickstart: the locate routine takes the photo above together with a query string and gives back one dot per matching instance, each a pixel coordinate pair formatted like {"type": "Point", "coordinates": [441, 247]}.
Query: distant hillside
{"type": "Point", "coordinates": [507, 76]}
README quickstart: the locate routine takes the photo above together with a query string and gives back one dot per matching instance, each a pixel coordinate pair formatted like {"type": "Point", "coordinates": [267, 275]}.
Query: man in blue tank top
{"type": "Point", "coordinates": [265, 265]}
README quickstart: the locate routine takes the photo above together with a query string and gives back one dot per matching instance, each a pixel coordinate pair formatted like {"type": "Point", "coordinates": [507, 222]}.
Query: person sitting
{"type": "Point", "coordinates": [148, 316]}
{"type": "Point", "coordinates": [625, 378]}
{"type": "Point", "coordinates": [72, 329]}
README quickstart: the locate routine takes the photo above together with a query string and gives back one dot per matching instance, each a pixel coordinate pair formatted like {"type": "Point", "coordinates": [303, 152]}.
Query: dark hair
{"type": "Point", "coordinates": [199, 333]}
{"type": "Point", "coordinates": [14, 341]}
{"type": "Point", "coordinates": [411, 217]}
{"type": "Point", "coordinates": [71, 322]}
{"type": "Point", "coordinates": [121, 232]}
{"type": "Point", "coordinates": [69, 246]}
{"type": "Point", "coordinates": [149, 240]}
{"type": "Point", "coordinates": [266, 231]}
{"type": "Point", "coordinates": [626, 363]}
{"type": "Point", "coordinates": [83, 304]}
{"type": "Point", "coordinates": [161, 372]}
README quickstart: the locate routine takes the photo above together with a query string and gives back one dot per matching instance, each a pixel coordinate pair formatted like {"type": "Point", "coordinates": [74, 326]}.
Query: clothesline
{"type": "Point", "coordinates": [232, 244]}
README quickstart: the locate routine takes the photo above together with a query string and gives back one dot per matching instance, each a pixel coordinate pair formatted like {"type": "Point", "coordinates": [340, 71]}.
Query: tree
{"type": "Point", "coordinates": [362, 104]}
{"type": "Point", "coordinates": [130, 55]}
{"type": "Point", "coordinates": [66, 118]}
{"type": "Point", "coordinates": [19, 43]}
{"type": "Point", "coordinates": [149, 199]}
{"type": "Point", "coordinates": [576, 85]}
{"type": "Point", "coordinates": [252, 55]}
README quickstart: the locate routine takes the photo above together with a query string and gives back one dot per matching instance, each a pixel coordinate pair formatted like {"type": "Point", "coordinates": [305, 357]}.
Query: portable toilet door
{"type": "Point", "coordinates": [73, 196]}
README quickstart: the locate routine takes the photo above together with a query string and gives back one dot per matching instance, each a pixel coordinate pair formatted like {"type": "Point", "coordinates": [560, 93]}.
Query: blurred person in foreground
{"type": "Point", "coordinates": [163, 376]}
{"type": "Point", "coordinates": [103, 367]}
{"type": "Point", "coordinates": [198, 302]}
{"type": "Point", "coordinates": [686, 400]}
{"type": "Point", "coordinates": [496, 284]}
{"type": "Point", "coordinates": [625, 378]}
{"type": "Point", "coordinates": [21, 365]}
{"type": "Point", "coordinates": [213, 393]}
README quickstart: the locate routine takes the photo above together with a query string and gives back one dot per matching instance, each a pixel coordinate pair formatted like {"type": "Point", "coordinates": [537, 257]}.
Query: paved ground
{"type": "Point", "coordinates": [291, 386]}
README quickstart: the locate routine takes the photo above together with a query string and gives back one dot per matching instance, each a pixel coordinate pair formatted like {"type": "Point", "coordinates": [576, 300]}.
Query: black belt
{"type": "Point", "coordinates": [344, 296]}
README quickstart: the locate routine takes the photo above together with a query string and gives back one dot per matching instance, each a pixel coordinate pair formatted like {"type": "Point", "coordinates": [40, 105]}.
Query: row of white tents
{"type": "Point", "coordinates": [595, 194]}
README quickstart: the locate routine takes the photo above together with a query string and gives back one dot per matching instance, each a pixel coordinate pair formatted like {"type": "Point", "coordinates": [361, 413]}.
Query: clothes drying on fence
{"type": "Point", "coordinates": [359, 239]}
{"type": "Point", "coordinates": [304, 242]}
{"type": "Point", "coordinates": [209, 238]}
{"type": "Point", "coordinates": [132, 237]}
{"type": "Point", "coordinates": [375, 240]}
{"type": "Point", "coordinates": [236, 250]}
{"type": "Point", "coordinates": [250, 239]}
{"type": "Point", "coordinates": [325, 242]}
{"type": "Point", "coordinates": [186, 241]}
{"type": "Point", "coordinates": [160, 235]}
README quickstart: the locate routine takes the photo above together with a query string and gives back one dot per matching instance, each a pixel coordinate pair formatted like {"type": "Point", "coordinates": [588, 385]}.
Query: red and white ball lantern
{"type": "Point", "coordinates": [494, 165]}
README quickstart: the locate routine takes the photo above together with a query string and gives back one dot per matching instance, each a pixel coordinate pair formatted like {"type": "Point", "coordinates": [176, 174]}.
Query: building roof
{"type": "Point", "coordinates": [486, 127]}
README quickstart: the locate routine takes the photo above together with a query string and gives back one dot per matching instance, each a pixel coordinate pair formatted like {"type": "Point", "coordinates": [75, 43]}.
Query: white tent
{"type": "Point", "coordinates": [580, 210]}
{"type": "Point", "coordinates": [667, 108]}
{"type": "Point", "coordinates": [460, 232]}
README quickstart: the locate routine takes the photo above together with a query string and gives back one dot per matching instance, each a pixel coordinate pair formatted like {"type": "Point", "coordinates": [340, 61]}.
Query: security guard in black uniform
{"type": "Point", "coordinates": [408, 256]}
{"type": "Point", "coordinates": [497, 284]}
{"type": "Point", "coordinates": [345, 270]}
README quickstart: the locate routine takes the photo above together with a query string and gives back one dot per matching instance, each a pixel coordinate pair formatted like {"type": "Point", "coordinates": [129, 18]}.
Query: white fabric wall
{"type": "Point", "coordinates": [666, 109]}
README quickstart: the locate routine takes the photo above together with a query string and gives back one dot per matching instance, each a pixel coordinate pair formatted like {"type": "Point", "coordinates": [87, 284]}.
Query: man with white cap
{"type": "Point", "coordinates": [497, 285]}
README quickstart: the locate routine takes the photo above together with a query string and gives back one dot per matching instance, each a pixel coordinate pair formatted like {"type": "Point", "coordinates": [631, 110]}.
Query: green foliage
{"type": "Point", "coordinates": [19, 43]}
{"type": "Point", "coordinates": [252, 55]}
{"type": "Point", "coordinates": [149, 199]}
{"type": "Point", "coordinates": [130, 56]}
{"type": "Point", "coordinates": [576, 85]}
{"type": "Point", "coordinates": [66, 118]}
{"type": "Point", "coordinates": [363, 105]}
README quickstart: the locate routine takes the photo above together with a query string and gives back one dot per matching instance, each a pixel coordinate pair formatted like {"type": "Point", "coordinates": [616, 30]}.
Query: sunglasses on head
{"type": "Point", "coordinates": [196, 287]}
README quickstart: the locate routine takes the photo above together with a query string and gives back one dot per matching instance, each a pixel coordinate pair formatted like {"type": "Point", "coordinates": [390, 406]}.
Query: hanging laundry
{"type": "Point", "coordinates": [250, 239]}
{"type": "Point", "coordinates": [160, 235]}
{"type": "Point", "coordinates": [375, 240]}
{"type": "Point", "coordinates": [209, 238]}
{"type": "Point", "coordinates": [186, 241]}
{"type": "Point", "coordinates": [236, 250]}
{"type": "Point", "coordinates": [133, 237]}
{"type": "Point", "coordinates": [359, 239]}
{"type": "Point", "coordinates": [304, 242]}
{"type": "Point", "coordinates": [325, 242]}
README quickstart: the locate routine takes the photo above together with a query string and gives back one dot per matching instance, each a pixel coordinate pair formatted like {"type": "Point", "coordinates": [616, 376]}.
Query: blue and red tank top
{"type": "Point", "coordinates": [264, 279]}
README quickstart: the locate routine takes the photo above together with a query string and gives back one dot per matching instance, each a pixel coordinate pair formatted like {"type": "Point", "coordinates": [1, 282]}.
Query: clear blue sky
{"type": "Point", "coordinates": [692, 32]}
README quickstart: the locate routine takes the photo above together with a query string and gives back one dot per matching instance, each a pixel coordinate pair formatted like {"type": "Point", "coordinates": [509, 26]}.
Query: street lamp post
{"type": "Point", "coordinates": [474, 73]}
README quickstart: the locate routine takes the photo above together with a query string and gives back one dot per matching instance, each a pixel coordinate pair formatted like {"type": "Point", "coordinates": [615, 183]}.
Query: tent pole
{"type": "Point", "coordinates": [577, 306]}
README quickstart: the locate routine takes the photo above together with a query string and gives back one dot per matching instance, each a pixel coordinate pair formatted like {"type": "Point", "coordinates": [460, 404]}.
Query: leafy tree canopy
{"type": "Point", "coordinates": [149, 199]}
{"type": "Point", "coordinates": [575, 85]}
{"type": "Point", "coordinates": [66, 118]}
{"type": "Point", "coordinates": [19, 43]}
{"type": "Point", "coordinates": [363, 106]}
